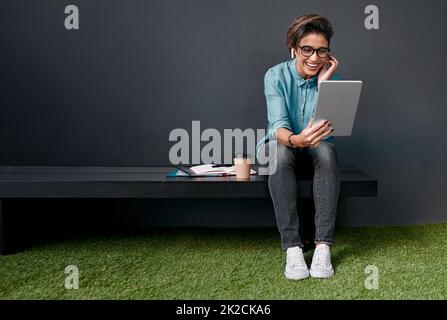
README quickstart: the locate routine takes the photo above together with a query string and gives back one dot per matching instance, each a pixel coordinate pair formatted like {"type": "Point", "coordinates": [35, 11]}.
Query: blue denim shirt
{"type": "Point", "coordinates": [291, 100]}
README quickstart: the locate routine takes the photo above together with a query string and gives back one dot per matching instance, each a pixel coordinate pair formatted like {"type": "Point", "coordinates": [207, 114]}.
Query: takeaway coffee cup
{"type": "Point", "coordinates": [242, 164]}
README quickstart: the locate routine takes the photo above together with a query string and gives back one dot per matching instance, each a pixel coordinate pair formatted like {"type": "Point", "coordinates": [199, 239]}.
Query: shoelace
{"type": "Point", "coordinates": [322, 258]}
{"type": "Point", "coordinates": [296, 259]}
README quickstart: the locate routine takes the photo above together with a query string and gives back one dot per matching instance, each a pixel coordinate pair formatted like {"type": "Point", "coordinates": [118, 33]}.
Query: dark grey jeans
{"type": "Point", "coordinates": [326, 186]}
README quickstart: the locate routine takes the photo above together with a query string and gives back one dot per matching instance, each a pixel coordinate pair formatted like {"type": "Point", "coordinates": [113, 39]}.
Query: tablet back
{"type": "Point", "coordinates": [337, 102]}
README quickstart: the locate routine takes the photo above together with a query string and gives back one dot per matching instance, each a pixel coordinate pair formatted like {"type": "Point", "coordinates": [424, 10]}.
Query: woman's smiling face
{"type": "Point", "coordinates": [308, 67]}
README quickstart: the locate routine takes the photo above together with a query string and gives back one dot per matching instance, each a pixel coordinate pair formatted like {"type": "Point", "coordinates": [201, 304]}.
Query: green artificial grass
{"type": "Point", "coordinates": [229, 264]}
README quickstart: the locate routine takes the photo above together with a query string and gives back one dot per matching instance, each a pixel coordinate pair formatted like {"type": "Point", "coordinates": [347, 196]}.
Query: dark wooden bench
{"type": "Point", "coordinates": [149, 182]}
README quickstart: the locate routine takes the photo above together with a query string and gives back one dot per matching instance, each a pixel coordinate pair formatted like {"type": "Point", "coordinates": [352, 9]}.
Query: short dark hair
{"type": "Point", "coordinates": [307, 24]}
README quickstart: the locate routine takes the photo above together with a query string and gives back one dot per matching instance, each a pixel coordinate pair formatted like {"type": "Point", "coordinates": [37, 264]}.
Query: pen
{"type": "Point", "coordinates": [221, 165]}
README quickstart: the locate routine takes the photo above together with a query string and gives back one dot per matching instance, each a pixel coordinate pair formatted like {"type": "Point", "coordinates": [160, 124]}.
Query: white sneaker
{"type": "Point", "coordinates": [321, 263]}
{"type": "Point", "coordinates": [296, 268]}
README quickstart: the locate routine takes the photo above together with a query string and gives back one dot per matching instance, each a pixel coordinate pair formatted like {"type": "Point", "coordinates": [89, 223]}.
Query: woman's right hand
{"type": "Point", "coordinates": [312, 135]}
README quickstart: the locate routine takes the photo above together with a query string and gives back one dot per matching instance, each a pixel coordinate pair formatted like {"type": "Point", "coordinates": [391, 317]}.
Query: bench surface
{"type": "Point", "coordinates": [151, 182]}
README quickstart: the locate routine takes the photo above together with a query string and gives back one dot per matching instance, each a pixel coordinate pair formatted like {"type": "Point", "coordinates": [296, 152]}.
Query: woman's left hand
{"type": "Point", "coordinates": [328, 70]}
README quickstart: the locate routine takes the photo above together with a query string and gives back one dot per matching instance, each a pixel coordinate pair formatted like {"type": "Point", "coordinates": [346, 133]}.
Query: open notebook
{"type": "Point", "coordinates": [207, 170]}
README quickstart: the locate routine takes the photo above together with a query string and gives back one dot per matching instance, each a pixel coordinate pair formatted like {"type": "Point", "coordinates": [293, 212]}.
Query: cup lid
{"type": "Point", "coordinates": [243, 160]}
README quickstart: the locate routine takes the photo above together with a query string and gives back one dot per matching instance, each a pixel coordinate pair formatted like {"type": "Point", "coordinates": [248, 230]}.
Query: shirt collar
{"type": "Point", "coordinates": [300, 81]}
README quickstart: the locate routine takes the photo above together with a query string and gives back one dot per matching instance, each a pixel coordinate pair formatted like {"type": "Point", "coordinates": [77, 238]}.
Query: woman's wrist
{"type": "Point", "coordinates": [289, 140]}
{"type": "Point", "coordinates": [296, 140]}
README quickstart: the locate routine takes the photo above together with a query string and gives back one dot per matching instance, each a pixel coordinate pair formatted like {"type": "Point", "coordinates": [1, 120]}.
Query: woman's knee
{"type": "Point", "coordinates": [281, 158]}
{"type": "Point", "coordinates": [325, 153]}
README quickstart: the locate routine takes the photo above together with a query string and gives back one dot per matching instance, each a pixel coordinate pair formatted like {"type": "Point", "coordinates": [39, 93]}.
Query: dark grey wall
{"type": "Point", "coordinates": [110, 93]}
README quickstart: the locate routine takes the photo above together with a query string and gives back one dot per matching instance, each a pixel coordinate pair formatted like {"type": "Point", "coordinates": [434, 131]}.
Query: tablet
{"type": "Point", "coordinates": [337, 102]}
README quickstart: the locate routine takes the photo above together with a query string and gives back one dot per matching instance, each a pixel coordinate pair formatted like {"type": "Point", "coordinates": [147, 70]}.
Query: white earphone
{"type": "Point", "coordinates": [292, 54]}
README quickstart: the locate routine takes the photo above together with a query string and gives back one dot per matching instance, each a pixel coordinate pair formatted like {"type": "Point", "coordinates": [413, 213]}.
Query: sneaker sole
{"type": "Point", "coordinates": [321, 275]}
{"type": "Point", "coordinates": [296, 277]}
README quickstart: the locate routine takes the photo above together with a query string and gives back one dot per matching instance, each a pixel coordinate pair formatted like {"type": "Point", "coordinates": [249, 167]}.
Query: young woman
{"type": "Point", "coordinates": [291, 89]}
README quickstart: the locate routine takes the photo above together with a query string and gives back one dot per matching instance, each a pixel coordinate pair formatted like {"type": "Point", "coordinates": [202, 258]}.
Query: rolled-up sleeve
{"type": "Point", "coordinates": [277, 113]}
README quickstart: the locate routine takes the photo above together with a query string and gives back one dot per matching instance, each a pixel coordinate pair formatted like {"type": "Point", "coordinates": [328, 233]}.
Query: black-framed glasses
{"type": "Point", "coordinates": [308, 51]}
